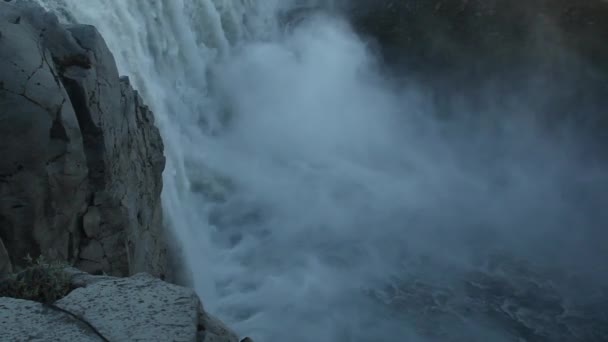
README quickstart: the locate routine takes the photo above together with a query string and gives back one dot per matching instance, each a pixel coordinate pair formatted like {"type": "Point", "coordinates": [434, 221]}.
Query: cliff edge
{"type": "Point", "coordinates": [80, 184]}
{"type": "Point", "coordinates": [81, 167]}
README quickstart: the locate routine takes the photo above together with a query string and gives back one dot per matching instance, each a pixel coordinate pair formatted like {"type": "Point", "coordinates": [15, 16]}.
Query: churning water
{"type": "Point", "coordinates": [315, 200]}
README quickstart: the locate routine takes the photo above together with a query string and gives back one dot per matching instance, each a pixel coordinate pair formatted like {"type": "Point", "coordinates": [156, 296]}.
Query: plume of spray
{"type": "Point", "coordinates": [300, 178]}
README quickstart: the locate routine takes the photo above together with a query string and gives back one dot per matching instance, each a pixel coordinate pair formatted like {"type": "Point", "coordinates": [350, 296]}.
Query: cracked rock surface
{"type": "Point", "coordinates": [24, 320]}
{"type": "Point", "coordinates": [81, 166]}
{"type": "Point", "coordinates": [138, 308]}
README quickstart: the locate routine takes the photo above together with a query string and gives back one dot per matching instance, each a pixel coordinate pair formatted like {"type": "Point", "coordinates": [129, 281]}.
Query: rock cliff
{"type": "Point", "coordinates": [80, 183]}
{"type": "Point", "coordinates": [80, 174]}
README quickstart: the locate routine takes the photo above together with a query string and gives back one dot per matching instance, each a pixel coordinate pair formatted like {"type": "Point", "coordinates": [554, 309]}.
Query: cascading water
{"type": "Point", "coordinates": [315, 200]}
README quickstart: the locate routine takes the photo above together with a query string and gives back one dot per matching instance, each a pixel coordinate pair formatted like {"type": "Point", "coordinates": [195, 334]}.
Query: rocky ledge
{"type": "Point", "coordinates": [104, 308]}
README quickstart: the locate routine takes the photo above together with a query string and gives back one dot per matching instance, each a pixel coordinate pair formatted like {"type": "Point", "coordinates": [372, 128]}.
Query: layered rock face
{"type": "Point", "coordinates": [80, 173]}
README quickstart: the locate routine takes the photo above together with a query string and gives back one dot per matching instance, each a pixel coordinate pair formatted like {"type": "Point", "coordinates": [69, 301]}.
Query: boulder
{"type": "Point", "coordinates": [81, 173]}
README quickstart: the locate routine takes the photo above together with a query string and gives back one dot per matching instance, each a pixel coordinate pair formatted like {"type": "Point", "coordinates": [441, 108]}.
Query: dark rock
{"type": "Point", "coordinates": [80, 177]}
{"type": "Point", "coordinates": [5, 261]}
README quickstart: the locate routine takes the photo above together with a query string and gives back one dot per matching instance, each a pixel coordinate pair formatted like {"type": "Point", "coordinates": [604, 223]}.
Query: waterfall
{"type": "Point", "coordinates": [305, 188]}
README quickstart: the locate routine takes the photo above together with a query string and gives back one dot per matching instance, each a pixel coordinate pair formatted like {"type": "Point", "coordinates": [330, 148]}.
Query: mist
{"type": "Point", "coordinates": [356, 179]}
{"type": "Point", "coordinates": [319, 194]}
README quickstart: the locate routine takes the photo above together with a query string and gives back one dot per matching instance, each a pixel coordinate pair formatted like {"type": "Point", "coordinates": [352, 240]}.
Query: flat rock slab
{"type": "Point", "coordinates": [23, 320]}
{"type": "Point", "coordinates": [139, 308]}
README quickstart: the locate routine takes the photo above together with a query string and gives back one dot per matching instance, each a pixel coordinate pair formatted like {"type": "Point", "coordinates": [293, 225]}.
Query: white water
{"type": "Point", "coordinates": [298, 178]}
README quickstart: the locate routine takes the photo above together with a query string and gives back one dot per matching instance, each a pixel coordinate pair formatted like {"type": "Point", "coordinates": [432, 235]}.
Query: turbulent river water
{"type": "Point", "coordinates": [316, 200]}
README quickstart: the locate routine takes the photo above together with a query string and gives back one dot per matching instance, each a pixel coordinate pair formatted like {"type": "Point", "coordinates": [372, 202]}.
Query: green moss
{"type": "Point", "coordinates": [42, 281]}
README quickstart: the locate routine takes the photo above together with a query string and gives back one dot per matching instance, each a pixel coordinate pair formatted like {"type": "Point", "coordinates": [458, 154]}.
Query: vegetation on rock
{"type": "Point", "coordinates": [42, 281]}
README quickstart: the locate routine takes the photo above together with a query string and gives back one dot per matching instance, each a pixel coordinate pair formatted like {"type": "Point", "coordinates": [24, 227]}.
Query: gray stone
{"type": "Point", "coordinates": [22, 320]}
{"type": "Point", "coordinates": [126, 172]}
{"type": "Point", "coordinates": [73, 129]}
{"type": "Point", "coordinates": [91, 222]}
{"type": "Point", "coordinates": [139, 308]}
{"type": "Point", "coordinates": [79, 278]}
{"type": "Point", "coordinates": [92, 251]}
{"type": "Point", "coordinates": [42, 152]}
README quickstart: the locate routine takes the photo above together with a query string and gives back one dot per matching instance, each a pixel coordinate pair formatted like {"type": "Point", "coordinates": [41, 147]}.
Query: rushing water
{"type": "Point", "coordinates": [316, 201]}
